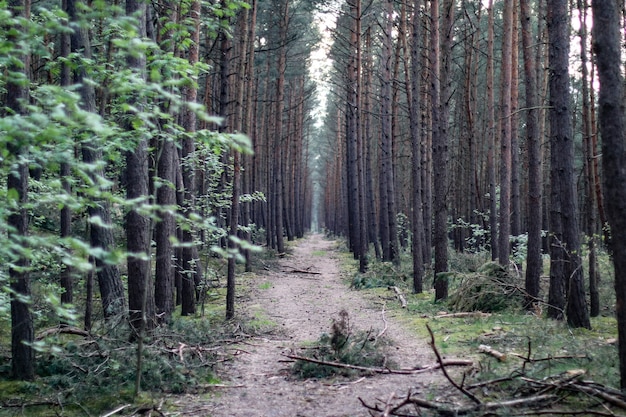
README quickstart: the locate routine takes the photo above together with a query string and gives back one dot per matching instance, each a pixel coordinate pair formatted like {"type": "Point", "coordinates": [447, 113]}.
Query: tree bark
{"type": "Point", "coordinates": [101, 233]}
{"type": "Point", "coordinates": [416, 167]}
{"type": "Point", "coordinates": [534, 261]}
{"type": "Point", "coordinates": [140, 284]}
{"type": "Point", "coordinates": [441, 47]}
{"type": "Point", "coordinates": [504, 246]}
{"type": "Point", "coordinates": [491, 127]}
{"type": "Point", "coordinates": [22, 329]}
{"type": "Point", "coordinates": [607, 47]}
{"type": "Point", "coordinates": [566, 277]}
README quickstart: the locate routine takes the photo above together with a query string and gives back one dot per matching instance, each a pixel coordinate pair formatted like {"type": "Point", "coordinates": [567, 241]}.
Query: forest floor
{"type": "Point", "coordinates": [258, 381]}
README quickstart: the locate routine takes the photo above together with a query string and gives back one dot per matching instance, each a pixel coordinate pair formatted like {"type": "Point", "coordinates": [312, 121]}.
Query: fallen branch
{"type": "Point", "coordinates": [382, 332]}
{"type": "Point", "coordinates": [62, 330]}
{"type": "Point", "coordinates": [209, 386]}
{"type": "Point", "coordinates": [491, 351]}
{"type": "Point", "coordinates": [453, 362]}
{"type": "Point", "coordinates": [470, 314]}
{"type": "Point", "coordinates": [550, 358]}
{"type": "Point", "coordinates": [448, 411]}
{"type": "Point", "coordinates": [445, 372]}
{"type": "Point", "coordinates": [399, 295]}
{"type": "Point", "coordinates": [295, 270]}
{"type": "Point", "coordinates": [117, 410]}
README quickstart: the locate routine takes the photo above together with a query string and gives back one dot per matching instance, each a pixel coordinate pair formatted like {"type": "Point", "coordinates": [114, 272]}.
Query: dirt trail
{"type": "Point", "coordinates": [304, 305]}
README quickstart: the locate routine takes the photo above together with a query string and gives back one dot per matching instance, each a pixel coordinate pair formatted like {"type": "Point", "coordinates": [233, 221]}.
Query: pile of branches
{"type": "Point", "coordinates": [518, 394]}
{"type": "Point", "coordinates": [490, 289]}
{"type": "Point", "coordinates": [342, 352]}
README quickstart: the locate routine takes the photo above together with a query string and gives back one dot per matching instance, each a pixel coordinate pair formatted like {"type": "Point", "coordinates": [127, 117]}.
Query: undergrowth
{"type": "Point", "coordinates": [94, 372]}
{"type": "Point", "coordinates": [342, 345]}
{"type": "Point", "coordinates": [476, 284]}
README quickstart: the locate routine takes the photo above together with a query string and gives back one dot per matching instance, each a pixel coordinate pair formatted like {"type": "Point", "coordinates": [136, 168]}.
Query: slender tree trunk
{"type": "Point", "coordinates": [491, 127]}
{"type": "Point", "coordinates": [101, 233]}
{"type": "Point", "coordinates": [140, 284]}
{"type": "Point", "coordinates": [588, 154]}
{"type": "Point", "coordinates": [386, 169]}
{"type": "Point", "coordinates": [534, 261]}
{"type": "Point", "coordinates": [22, 329]}
{"type": "Point", "coordinates": [504, 247]}
{"type": "Point", "coordinates": [608, 49]}
{"type": "Point", "coordinates": [165, 230]}
{"type": "Point", "coordinates": [66, 281]}
{"type": "Point", "coordinates": [441, 45]}
{"type": "Point", "coordinates": [283, 26]}
{"type": "Point", "coordinates": [190, 262]}
{"type": "Point", "coordinates": [416, 168]}
{"type": "Point", "coordinates": [516, 206]}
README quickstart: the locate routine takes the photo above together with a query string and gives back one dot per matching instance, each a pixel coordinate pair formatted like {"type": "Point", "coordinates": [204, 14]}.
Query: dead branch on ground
{"type": "Point", "coordinates": [62, 330]}
{"type": "Point", "coordinates": [448, 410]}
{"type": "Point", "coordinates": [376, 370]}
{"type": "Point", "coordinates": [545, 396]}
{"type": "Point", "coordinates": [444, 370]}
{"type": "Point", "coordinates": [492, 352]}
{"type": "Point", "coordinates": [468, 314]}
{"type": "Point", "coordinates": [382, 332]}
{"type": "Point", "coordinates": [295, 270]}
{"type": "Point", "coordinates": [399, 295]}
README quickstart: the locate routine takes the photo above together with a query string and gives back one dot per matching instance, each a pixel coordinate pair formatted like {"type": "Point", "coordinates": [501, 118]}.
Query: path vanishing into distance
{"type": "Point", "coordinates": [257, 382]}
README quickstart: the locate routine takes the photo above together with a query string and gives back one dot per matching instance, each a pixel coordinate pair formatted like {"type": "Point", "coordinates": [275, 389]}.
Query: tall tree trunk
{"type": "Point", "coordinates": [608, 49]}
{"type": "Point", "coordinates": [234, 206]}
{"type": "Point", "coordinates": [441, 45]}
{"type": "Point", "coordinates": [101, 232]}
{"type": "Point", "coordinates": [516, 206]}
{"type": "Point", "coordinates": [283, 26]}
{"type": "Point", "coordinates": [417, 219]}
{"type": "Point", "coordinates": [367, 138]}
{"type": "Point", "coordinates": [504, 247]}
{"type": "Point", "coordinates": [165, 231]}
{"type": "Point", "coordinates": [534, 261]}
{"type": "Point", "coordinates": [385, 159]}
{"type": "Point", "coordinates": [566, 277]}
{"type": "Point", "coordinates": [491, 128]}
{"type": "Point", "coordinates": [190, 261]}
{"type": "Point", "coordinates": [22, 329]}
{"type": "Point", "coordinates": [588, 153]}
{"type": "Point", "coordinates": [66, 281]}
{"type": "Point", "coordinates": [168, 277]}
{"type": "Point", "coordinates": [140, 284]}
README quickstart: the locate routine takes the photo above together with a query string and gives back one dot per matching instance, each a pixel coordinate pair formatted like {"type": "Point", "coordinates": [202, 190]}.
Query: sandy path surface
{"type": "Point", "coordinates": [303, 305]}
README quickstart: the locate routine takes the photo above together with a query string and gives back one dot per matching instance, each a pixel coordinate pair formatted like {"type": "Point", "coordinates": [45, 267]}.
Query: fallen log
{"type": "Point", "coordinates": [399, 295]}
{"type": "Point", "coordinates": [62, 330]}
{"type": "Point", "coordinates": [491, 351]}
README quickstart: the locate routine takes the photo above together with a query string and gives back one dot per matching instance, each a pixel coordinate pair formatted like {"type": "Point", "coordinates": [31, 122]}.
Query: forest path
{"type": "Point", "coordinates": [303, 305]}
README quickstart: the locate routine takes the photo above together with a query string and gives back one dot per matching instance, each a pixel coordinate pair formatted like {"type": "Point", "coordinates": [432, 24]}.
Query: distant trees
{"type": "Point", "coordinates": [472, 125]}
{"type": "Point", "coordinates": [120, 110]}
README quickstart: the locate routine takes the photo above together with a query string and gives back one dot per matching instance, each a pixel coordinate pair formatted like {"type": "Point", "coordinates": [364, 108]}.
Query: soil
{"type": "Point", "coordinates": [258, 382]}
